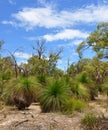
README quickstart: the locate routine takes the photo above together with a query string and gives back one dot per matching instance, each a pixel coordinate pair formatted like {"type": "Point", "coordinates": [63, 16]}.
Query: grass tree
{"type": "Point", "coordinates": [23, 91]}
{"type": "Point", "coordinates": [79, 87]}
{"type": "Point", "coordinates": [53, 95]}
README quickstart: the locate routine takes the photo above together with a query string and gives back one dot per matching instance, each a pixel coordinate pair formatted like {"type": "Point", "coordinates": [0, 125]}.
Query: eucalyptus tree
{"type": "Point", "coordinates": [97, 41]}
{"type": "Point", "coordinates": [53, 59]}
{"type": "Point", "coordinates": [76, 68]}
{"type": "Point", "coordinates": [38, 66]}
{"type": "Point", "coordinates": [40, 48]}
{"type": "Point", "coordinates": [15, 64]}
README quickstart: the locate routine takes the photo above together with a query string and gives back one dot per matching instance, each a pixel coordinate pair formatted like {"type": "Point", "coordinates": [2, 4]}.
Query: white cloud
{"type": "Point", "coordinates": [49, 17]}
{"type": "Point", "coordinates": [22, 55]}
{"type": "Point", "coordinates": [9, 22]}
{"type": "Point", "coordinates": [66, 34]}
{"type": "Point", "coordinates": [76, 42]}
{"type": "Point", "coordinates": [72, 43]}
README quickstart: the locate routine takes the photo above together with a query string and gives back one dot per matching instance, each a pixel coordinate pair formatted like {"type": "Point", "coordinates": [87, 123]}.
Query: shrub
{"type": "Point", "coordinates": [53, 95]}
{"type": "Point", "coordinates": [93, 122]}
{"type": "Point", "coordinates": [41, 79]}
{"type": "Point", "coordinates": [89, 120]}
{"type": "Point", "coordinates": [80, 91]}
{"type": "Point", "coordinates": [82, 77]}
{"type": "Point", "coordinates": [79, 105]}
{"type": "Point", "coordinates": [22, 91]}
{"type": "Point", "coordinates": [73, 105]}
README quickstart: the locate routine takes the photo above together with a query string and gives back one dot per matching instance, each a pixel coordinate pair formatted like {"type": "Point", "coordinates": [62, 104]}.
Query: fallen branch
{"type": "Point", "coordinates": [19, 123]}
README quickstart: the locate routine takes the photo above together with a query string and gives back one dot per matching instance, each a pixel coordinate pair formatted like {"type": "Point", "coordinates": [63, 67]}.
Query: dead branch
{"type": "Point", "coordinates": [20, 122]}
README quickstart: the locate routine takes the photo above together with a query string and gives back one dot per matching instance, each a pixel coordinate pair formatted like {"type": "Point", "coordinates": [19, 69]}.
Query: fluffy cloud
{"type": "Point", "coordinates": [48, 17]}
{"type": "Point", "coordinates": [72, 43]}
{"type": "Point", "coordinates": [66, 34]}
{"type": "Point", "coordinates": [9, 22]}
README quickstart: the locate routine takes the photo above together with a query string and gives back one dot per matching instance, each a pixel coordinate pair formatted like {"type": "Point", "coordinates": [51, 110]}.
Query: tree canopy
{"type": "Point", "coordinates": [97, 41]}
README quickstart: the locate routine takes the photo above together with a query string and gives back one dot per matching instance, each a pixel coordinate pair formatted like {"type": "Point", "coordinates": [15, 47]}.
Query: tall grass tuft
{"type": "Point", "coordinates": [53, 95]}
{"type": "Point", "coordinates": [72, 105]}
{"type": "Point", "coordinates": [21, 91]}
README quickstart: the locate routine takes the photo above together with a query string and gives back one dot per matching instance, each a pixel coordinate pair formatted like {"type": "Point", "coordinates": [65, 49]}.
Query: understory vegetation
{"type": "Point", "coordinates": [39, 80]}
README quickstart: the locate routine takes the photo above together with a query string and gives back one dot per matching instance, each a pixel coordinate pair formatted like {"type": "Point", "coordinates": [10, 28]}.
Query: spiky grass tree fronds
{"type": "Point", "coordinates": [7, 95]}
{"type": "Point", "coordinates": [80, 86]}
{"type": "Point", "coordinates": [82, 78]}
{"type": "Point", "coordinates": [80, 91]}
{"type": "Point", "coordinates": [41, 79]}
{"type": "Point", "coordinates": [53, 96]}
{"type": "Point", "coordinates": [23, 91]}
{"type": "Point", "coordinates": [4, 77]}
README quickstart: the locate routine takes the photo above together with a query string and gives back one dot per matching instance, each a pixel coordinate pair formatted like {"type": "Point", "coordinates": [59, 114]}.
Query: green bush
{"type": "Point", "coordinates": [41, 79]}
{"type": "Point", "coordinates": [89, 121]}
{"type": "Point", "coordinates": [80, 91]}
{"type": "Point", "coordinates": [53, 95]}
{"type": "Point", "coordinates": [7, 95]}
{"type": "Point", "coordinates": [21, 91]}
{"type": "Point", "coordinates": [82, 77]}
{"type": "Point", "coordinates": [93, 122]}
{"type": "Point", "coordinates": [79, 105]}
{"type": "Point", "coordinates": [73, 105]}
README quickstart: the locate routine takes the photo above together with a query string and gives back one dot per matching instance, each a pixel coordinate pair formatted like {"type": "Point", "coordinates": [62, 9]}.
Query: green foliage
{"type": "Point", "coordinates": [7, 95]}
{"type": "Point", "coordinates": [6, 75]}
{"type": "Point", "coordinates": [93, 122]}
{"type": "Point", "coordinates": [89, 121]}
{"type": "Point", "coordinates": [97, 41]}
{"type": "Point", "coordinates": [104, 87]}
{"type": "Point", "coordinates": [73, 104]}
{"type": "Point", "coordinates": [41, 79]}
{"type": "Point", "coordinates": [82, 77]}
{"type": "Point", "coordinates": [53, 96]}
{"type": "Point", "coordinates": [38, 66]}
{"type": "Point", "coordinates": [82, 80]}
{"type": "Point", "coordinates": [79, 90]}
{"type": "Point", "coordinates": [23, 91]}
{"type": "Point", "coordinates": [84, 85]}
{"type": "Point", "coordinates": [79, 105]}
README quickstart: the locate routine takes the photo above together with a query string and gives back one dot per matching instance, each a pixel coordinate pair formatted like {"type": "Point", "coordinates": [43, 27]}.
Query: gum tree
{"type": "Point", "coordinates": [97, 41]}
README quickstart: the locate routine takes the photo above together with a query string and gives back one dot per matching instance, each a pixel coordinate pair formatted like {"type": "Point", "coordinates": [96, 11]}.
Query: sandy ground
{"type": "Point", "coordinates": [34, 119]}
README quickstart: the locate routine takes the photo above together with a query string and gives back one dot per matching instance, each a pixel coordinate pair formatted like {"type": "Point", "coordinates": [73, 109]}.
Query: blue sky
{"type": "Point", "coordinates": [63, 23]}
